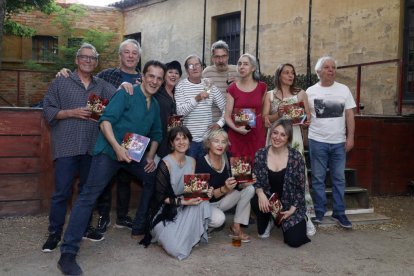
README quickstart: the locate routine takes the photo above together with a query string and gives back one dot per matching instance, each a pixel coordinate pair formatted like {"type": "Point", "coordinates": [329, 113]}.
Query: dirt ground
{"type": "Point", "coordinates": [381, 249]}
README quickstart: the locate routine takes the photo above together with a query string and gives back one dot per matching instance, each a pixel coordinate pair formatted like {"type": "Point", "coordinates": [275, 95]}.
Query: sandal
{"type": "Point", "coordinates": [243, 236]}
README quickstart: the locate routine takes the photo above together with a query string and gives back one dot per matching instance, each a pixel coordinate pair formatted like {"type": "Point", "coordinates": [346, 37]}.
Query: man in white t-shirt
{"type": "Point", "coordinates": [331, 136]}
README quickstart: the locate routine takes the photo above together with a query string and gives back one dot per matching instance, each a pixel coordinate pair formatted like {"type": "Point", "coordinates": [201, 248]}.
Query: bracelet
{"type": "Point", "coordinates": [178, 201]}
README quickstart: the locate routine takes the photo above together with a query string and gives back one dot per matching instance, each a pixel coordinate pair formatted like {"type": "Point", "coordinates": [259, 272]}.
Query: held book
{"type": "Point", "coordinates": [196, 185]}
{"type": "Point", "coordinates": [174, 121]}
{"type": "Point", "coordinates": [294, 112]}
{"type": "Point", "coordinates": [244, 117]}
{"type": "Point", "coordinates": [276, 208]}
{"type": "Point", "coordinates": [136, 145]}
{"type": "Point", "coordinates": [241, 168]}
{"type": "Point", "coordinates": [96, 105]}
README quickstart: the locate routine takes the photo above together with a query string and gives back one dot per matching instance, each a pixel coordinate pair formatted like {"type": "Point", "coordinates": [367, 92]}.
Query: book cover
{"type": "Point", "coordinates": [244, 117]}
{"type": "Point", "coordinates": [174, 121]}
{"type": "Point", "coordinates": [276, 208]}
{"type": "Point", "coordinates": [136, 145]}
{"type": "Point", "coordinates": [294, 112]}
{"type": "Point", "coordinates": [241, 168]}
{"type": "Point", "coordinates": [196, 185]}
{"type": "Point", "coordinates": [96, 105]}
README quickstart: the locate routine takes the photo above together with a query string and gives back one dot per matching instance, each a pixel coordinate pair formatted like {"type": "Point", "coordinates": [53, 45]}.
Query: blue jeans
{"type": "Point", "coordinates": [196, 150]}
{"type": "Point", "coordinates": [103, 168]}
{"type": "Point", "coordinates": [66, 169]}
{"type": "Point", "coordinates": [322, 156]}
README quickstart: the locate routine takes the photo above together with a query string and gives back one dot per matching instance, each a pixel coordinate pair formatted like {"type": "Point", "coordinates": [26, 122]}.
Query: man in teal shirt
{"type": "Point", "coordinates": [140, 114]}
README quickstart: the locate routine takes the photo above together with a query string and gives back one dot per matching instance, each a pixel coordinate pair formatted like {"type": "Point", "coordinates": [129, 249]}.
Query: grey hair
{"type": "Point", "coordinates": [128, 41]}
{"type": "Point", "coordinates": [321, 61]}
{"type": "Point", "coordinates": [190, 57]}
{"type": "Point", "coordinates": [253, 62]}
{"type": "Point", "coordinates": [213, 134]}
{"type": "Point", "coordinates": [87, 46]}
{"type": "Point", "coordinates": [220, 44]}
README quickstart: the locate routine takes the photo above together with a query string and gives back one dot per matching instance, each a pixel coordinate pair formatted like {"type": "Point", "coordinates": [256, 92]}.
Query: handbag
{"type": "Point", "coordinates": [275, 208]}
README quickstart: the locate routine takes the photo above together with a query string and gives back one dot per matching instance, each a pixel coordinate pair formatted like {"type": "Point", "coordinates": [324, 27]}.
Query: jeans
{"type": "Point", "coordinates": [123, 194]}
{"type": "Point", "coordinates": [322, 156]}
{"type": "Point", "coordinates": [103, 168]}
{"type": "Point", "coordinates": [196, 150]}
{"type": "Point", "coordinates": [66, 169]}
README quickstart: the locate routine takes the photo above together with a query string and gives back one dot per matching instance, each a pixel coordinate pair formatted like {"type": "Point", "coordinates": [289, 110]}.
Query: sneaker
{"type": "Point", "coordinates": [269, 227]}
{"type": "Point", "coordinates": [343, 221]}
{"type": "Point", "coordinates": [51, 243]}
{"type": "Point", "coordinates": [67, 264]}
{"type": "Point", "coordinates": [310, 228]}
{"type": "Point", "coordinates": [103, 223]}
{"type": "Point", "coordinates": [93, 235]}
{"type": "Point", "coordinates": [125, 222]}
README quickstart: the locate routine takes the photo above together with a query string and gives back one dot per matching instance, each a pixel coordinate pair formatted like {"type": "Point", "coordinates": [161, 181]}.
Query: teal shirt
{"type": "Point", "coordinates": [128, 113]}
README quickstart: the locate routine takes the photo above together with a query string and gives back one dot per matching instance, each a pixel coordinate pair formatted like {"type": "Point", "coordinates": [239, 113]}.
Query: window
{"type": "Point", "coordinates": [228, 29]}
{"type": "Point", "coordinates": [137, 37]}
{"type": "Point", "coordinates": [409, 52]}
{"type": "Point", "coordinates": [44, 48]}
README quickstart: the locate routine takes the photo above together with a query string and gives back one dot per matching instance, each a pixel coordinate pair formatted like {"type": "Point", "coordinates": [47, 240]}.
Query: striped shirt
{"type": "Point", "coordinates": [219, 79]}
{"type": "Point", "coordinates": [72, 136]}
{"type": "Point", "coordinates": [198, 115]}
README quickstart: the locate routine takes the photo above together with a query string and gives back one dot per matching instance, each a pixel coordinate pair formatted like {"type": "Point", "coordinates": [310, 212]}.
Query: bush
{"type": "Point", "coordinates": [301, 80]}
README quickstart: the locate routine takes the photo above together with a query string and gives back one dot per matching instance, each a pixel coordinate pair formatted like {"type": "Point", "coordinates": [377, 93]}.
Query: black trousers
{"type": "Point", "coordinates": [123, 192]}
{"type": "Point", "coordinates": [295, 236]}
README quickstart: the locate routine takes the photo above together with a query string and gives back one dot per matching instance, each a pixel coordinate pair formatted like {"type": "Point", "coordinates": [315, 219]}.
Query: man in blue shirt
{"type": "Point", "coordinates": [138, 114]}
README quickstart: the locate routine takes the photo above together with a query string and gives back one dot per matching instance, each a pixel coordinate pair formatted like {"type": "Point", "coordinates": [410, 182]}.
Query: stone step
{"type": "Point", "coordinates": [355, 197]}
{"type": "Point", "coordinates": [357, 218]}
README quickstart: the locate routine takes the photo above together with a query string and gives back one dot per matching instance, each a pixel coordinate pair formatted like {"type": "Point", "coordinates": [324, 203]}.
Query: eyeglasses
{"type": "Point", "coordinates": [194, 66]}
{"type": "Point", "coordinates": [87, 58]}
{"type": "Point", "coordinates": [220, 57]}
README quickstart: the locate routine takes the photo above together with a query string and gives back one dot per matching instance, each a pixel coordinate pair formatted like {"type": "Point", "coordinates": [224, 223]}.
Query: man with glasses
{"type": "Point", "coordinates": [129, 55]}
{"type": "Point", "coordinates": [73, 135]}
{"type": "Point", "coordinates": [195, 97]}
{"type": "Point", "coordinates": [221, 73]}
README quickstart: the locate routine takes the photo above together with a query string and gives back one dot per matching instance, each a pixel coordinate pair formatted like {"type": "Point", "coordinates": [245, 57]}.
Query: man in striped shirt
{"type": "Point", "coordinates": [221, 72]}
{"type": "Point", "coordinates": [194, 98]}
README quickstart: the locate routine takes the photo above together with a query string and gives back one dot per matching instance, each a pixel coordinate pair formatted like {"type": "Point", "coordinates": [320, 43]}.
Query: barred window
{"type": "Point", "coordinates": [44, 48]}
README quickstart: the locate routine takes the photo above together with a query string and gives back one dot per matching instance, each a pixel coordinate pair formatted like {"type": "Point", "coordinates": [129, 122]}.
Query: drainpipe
{"type": "Point", "coordinates": [257, 35]}
{"type": "Point", "coordinates": [244, 26]}
{"type": "Point", "coordinates": [308, 65]}
{"type": "Point", "coordinates": [204, 33]}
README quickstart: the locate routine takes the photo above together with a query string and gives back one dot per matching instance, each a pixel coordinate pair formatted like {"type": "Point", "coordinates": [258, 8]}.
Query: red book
{"type": "Point", "coordinates": [196, 185]}
{"type": "Point", "coordinates": [136, 145]}
{"type": "Point", "coordinates": [276, 208]}
{"type": "Point", "coordinates": [244, 117]}
{"type": "Point", "coordinates": [96, 105]}
{"type": "Point", "coordinates": [241, 168]}
{"type": "Point", "coordinates": [174, 121]}
{"type": "Point", "coordinates": [294, 112]}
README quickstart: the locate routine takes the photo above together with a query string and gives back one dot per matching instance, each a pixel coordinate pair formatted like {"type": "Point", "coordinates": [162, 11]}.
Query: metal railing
{"type": "Point", "coordinates": [359, 73]}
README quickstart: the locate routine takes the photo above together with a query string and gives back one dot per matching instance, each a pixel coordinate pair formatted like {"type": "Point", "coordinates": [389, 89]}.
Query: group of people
{"type": "Point", "coordinates": [206, 99]}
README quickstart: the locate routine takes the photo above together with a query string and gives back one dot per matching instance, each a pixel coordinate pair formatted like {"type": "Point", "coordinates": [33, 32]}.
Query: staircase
{"type": "Point", "coordinates": [356, 197]}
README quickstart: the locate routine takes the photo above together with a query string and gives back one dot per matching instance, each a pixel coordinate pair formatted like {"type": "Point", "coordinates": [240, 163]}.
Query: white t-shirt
{"type": "Point", "coordinates": [327, 106]}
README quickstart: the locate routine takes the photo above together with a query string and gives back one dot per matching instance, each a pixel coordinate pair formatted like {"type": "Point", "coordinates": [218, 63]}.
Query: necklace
{"type": "Point", "coordinates": [216, 168]}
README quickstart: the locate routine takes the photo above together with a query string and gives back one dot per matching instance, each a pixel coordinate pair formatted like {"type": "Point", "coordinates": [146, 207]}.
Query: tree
{"type": "Point", "coordinates": [10, 7]}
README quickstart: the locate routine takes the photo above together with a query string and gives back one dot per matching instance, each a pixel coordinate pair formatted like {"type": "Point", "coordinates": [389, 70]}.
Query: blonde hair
{"type": "Point", "coordinates": [214, 134]}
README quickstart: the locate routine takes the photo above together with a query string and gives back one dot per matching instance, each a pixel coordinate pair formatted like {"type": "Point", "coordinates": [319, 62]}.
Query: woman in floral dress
{"type": "Point", "coordinates": [286, 93]}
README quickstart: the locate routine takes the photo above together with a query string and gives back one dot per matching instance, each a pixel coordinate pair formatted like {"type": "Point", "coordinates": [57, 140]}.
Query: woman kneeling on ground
{"type": "Point", "coordinates": [281, 169]}
{"type": "Point", "coordinates": [226, 192]}
{"type": "Point", "coordinates": [178, 224]}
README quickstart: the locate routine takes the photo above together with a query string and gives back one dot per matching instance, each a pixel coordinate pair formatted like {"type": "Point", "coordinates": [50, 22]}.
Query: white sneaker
{"type": "Point", "coordinates": [310, 228]}
{"type": "Point", "coordinates": [269, 227]}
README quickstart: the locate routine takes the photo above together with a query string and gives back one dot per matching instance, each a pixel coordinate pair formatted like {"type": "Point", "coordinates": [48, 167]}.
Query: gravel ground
{"type": "Point", "coordinates": [384, 249]}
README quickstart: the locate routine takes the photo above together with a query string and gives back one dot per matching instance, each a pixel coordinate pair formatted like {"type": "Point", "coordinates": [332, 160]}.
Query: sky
{"type": "Point", "coordinates": [98, 2]}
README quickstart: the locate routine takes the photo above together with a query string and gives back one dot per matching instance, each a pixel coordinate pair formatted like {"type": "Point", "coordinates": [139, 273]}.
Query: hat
{"type": "Point", "coordinates": [174, 65]}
